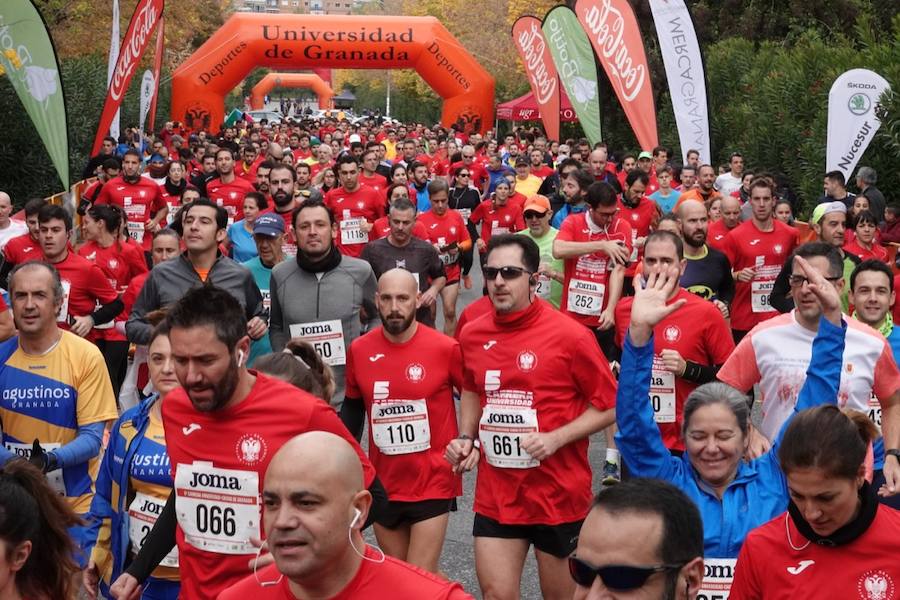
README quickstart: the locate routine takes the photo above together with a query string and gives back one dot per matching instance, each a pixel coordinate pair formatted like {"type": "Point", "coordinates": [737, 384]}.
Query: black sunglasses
{"type": "Point", "coordinates": [463, 175]}
{"type": "Point", "coordinates": [533, 214]}
{"type": "Point", "coordinates": [507, 273]}
{"type": "Point", "coordinates": [615, 577]}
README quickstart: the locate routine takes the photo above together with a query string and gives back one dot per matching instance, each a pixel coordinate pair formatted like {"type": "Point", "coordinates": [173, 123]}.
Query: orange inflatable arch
{"type": "Point", "coordinates": [286, 41]}
{"type": "Point", "coordinates": [291, 80]}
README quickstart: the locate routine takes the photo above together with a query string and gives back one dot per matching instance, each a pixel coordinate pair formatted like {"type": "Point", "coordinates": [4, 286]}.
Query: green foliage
{"type": "Point", "coordinates": [25, 167]}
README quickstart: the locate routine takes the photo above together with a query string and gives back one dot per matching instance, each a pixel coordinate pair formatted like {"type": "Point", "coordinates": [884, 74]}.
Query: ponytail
{"type": "Point", "coordinates": [828, 439]}
{"type": "Point", "coordinates": [31, 511]}
{"type": "Point", "coordinates": [301, 366]}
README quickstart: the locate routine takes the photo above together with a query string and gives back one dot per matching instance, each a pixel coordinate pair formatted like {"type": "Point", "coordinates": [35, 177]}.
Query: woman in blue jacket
{"type": "Point", "coordinates": [133, 485]}
{"type": "Point", "coordinates": [734, 496]}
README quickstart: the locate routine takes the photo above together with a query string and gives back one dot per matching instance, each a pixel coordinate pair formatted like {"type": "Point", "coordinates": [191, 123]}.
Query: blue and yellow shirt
{"type": "Point", "coordinates": [48, 398]}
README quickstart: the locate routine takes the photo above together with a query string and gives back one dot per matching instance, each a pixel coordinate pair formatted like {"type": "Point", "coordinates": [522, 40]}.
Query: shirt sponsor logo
{"type": "Point", "coordinates": [190, 429]}
{"type": "Point", "coordinates": [754, 242]}
{"type": "Point", "coordinates": [401, 409]}
{"type": "Point", "coordinates": [375, 357]}
{"type": "Point", "coordinates": [506, 419]}
{"type": "Point", "coordinates": [251, 448]}
{"type": "Point", "coordinates": [490, 344]}
{"type": "Point", "coordinates": [16, 395]}
{"type": "Point", "coordinates": [672, 333]}
{"type": "Point", "coordinates": [804, 564]}
{"type": "Point", "coordinates": [217, 481]}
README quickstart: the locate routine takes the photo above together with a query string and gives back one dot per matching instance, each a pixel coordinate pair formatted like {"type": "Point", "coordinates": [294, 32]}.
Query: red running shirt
{"type": "Point", "coordinates": [392, 579]}
{"type": "Point", "coordinates": [642, 219]}
{"type": "Point", "coordinates": [408, 392]}
{"type": "Point", "coordinates": [534, 370]}
{"type": "Point", "coordinates": [141, 201]}
{"type": "Point", "coordinates": [479, 308]}
{"type": "Point", "coordinates": [769, 568]}
{"type": "Point", "coordinates": [496, 220]}
{"type": "Point", "coordinates": [21, 249]}
{"type": "Point", "coordinates": [121, 263]}
{"type": "Point", "coordinates": [715, 234]}
{"type": "Point", "coordinates": [587, 277]}
{"type": "Point", "coordinates": [219, 460]}
{"type": "Point", "coordinates": [444, 231]}
{"type": "Point", "coordinates": [376, 182]}
{"type": "Point", "coordinates": [84, 286]}
{"type": "Point", "coordinates": [766, 252]}
{"type": "Point", "coordinates": [699, 333]}
{"type": "Point", "coordinates": [350, 210]}
{"type": "Point", "coordinates": [230, 196]}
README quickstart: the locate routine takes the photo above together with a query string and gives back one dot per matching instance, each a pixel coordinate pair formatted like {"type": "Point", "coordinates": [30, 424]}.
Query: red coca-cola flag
{"type": "Point", "coordinates": [157, 69]}
{"type": "Point", "coordinates": [614, 33]}
{"type": "Point", "coordinates": [532, 47]}
{"type": "Point", "coordinates": [146, 15]}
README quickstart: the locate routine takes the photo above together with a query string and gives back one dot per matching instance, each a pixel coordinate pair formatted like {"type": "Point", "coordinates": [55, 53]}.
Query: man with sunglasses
{"type": "Point", "coordinates": [642, 539]}
{"type": "Point", "coordinates": [476, 169]}
{"type": "Point", "coordinates": [537, 215]}
{"type": "Point", "coordinates": [535, 387]}
{"type": "Point", "coordinates": [776, 354]}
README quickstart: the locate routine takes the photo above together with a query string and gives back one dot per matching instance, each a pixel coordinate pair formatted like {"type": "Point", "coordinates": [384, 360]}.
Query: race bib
{"type": "Point", "coordinates": [327, 337]}
{"type": "Point", "coordinates": [874, 411]}
{"type": "Point", "coordinates": [267, 299]}
{"type": "Point", "coordinates": [352, 232]}
{"type": "Point", "coordinates": [142, 515]}
{"type": "Point", "coordinates": [449, 259]}
{"type": "Point", "coordinates": [759, 295]}
{"type": "Point", "coordinates": [136, 231]}
{"type": "Point", "coordinates": [634, 247]}
{"type": "Point", "coordinates": [173, 210]}
{"type": "Point", "coordinates": [542, 290]}
{"type": "Point", "coordinates": [718, 574]}
{"type": "Point", "coordinates": [217, 509]}
{"type": "Point", "coordinates": [465, 213]}
{"type": "Point", "coordinates": [63, 315]}
{"type": "Point", "coordinates": [662, 392]}
{"type": "Point", "coordinates": [497, 229]}
{"type": "Point", "coordinates": [586, 297]}
{"type": "Point", "coordinates": [400, 426]}
{"type": "Point", "coordinates": [501, 430]}
{"type": "Point", "coordinates": [54, 478]}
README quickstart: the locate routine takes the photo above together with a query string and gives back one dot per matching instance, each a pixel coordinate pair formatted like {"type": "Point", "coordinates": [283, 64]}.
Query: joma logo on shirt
{"type": "Point", "coordinates": [308, 329]}
{"type": "Point", "coordinates": [152, 507]}
{"type": "Point", "coordinates": [217, 481]}
{"type": "Point", "coordinates": [506, 419]}
{"type": "Point", "coordinates": [395, 410]}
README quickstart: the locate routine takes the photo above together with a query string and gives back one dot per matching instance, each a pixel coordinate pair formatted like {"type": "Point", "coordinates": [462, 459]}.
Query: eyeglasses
{"type": "Point", "coordinates": [468, 156]}
{"type": "Point", "coordinates": [799, 280]}
{"type": "Point", "coordinates": [533, 214]}
{"type": "Point", "coordinates": [615, 577]}
{"type": "Point", "coordinates": [463, 175]}
{"type": "Point", "coordinates": [507, 273]}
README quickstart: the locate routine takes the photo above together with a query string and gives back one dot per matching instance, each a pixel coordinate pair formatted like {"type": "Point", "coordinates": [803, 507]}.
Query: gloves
{"type": "Point", "coordinates": [45, 461]}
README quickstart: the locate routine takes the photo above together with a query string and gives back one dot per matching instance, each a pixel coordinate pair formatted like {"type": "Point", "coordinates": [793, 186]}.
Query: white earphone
{"type": "Point", "coordinates": [240, 360]}
{"type": "Point", "coordinates": [356, 515]}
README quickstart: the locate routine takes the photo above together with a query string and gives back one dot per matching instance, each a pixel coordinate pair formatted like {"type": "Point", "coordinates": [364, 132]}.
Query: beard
{"type": "Point", "coordinates": [222, 390]}
{"type": "Point", "coordinates": [282, 199]}
{"type": "Point", "coordinates": [131, 178]}
{"type": "Point", "coordinates": [697, 240]}
{"type": "Point", "coordinates": [394, 326]}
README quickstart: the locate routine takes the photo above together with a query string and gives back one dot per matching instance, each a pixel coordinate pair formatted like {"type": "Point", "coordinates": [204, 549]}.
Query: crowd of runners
{"type": "Point", "coordinates": [193, 354]}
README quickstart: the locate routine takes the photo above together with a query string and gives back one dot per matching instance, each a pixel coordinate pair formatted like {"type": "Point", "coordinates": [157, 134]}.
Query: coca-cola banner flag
{"type": "Point", "coordinates": [111, 62]}
{"type": "Point", "coordinates": [146, 15]}
{"type": "Point", "coordinates": [684, 71]}
{"type": "Point", "coordinates": [529, 41]}
{"type": "Point", "coordinates": [614, 33]}
{"type": "Point", "coordinates": [576, 66]}
{"type": "Point", "coordinates": [157, 68]}
{"type": "Point", "coordinates": [852, 122]}
{"type": "Point", "coordinates": [28, 61]}
{"type": "Point", "coordinates": [148, 87]}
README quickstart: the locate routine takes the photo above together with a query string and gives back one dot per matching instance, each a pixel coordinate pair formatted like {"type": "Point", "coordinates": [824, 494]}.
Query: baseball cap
{"type": "Point", "coordinates": [827, 207]}
{"type": "Point", "coordinates": [157, 158]}
{"type": "Point", "coordinates": [268, 224]}
{"type": "Point", "coordinates": [645, 154]}
{"type": "Point", "coordinates": [521, 161]}
{"type": "Point", "coordinates": [538, 203]}
{"type": "Point", "coordinates": [354, 137]}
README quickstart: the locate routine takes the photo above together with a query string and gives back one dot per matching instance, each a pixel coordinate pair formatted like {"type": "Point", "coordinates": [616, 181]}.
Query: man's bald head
{"type": "Point", "coordinates": [276, 152]}
{"type": "Point", "coordinates": [691, 208]}
{"type": "Point", "coordinates": [396, 300]}
{"type": "Point", "coordinates": [320, 455]}
{"type": "Point", "coordinates": [731, 211]}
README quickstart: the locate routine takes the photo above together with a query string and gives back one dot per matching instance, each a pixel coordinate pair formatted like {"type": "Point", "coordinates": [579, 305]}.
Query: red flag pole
{"type": "Point", "coordinates": [157, 70]}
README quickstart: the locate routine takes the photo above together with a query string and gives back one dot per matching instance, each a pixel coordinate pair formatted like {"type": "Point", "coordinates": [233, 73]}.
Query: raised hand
{"type": "Point", "coordinates": [649, 306]}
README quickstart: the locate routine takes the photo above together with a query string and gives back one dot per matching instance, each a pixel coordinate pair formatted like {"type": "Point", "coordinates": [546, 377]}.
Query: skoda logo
{"type": "Point", "coordinates": [859, 104]}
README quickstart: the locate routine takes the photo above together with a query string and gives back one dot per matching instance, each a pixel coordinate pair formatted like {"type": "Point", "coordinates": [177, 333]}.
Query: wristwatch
{"type": "Point", "coordinates": [477, 443]}
{"type": "Point", "coordinates": [895, 452]}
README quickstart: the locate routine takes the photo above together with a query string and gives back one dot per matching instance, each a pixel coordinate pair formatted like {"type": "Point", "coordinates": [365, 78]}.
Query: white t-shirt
{"type": "Point", "coordinates": [14, 229]}
{"type": "Point", "coordinates": [727, 183]}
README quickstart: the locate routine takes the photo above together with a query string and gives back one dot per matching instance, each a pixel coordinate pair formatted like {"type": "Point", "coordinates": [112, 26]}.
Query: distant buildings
{"type": "Point", "coordinates": [313, 7]}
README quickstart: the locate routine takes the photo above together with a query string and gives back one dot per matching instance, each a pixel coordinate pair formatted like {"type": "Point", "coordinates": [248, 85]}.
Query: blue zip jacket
{"type": "Point", "coordinates": [759, 491]}
{"type": "Point", "coordinates": [109, 508]}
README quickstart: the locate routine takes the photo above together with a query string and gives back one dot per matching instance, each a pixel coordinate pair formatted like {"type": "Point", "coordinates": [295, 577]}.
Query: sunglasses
{"type": "Point", "coordinates": [463, 175]}
{"type": "Point", "coordinates": [507, 273]}
{"type": "Point", "coordinates": [533, 214]}
{"type": "Point", "coordinates": [615, 577]}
